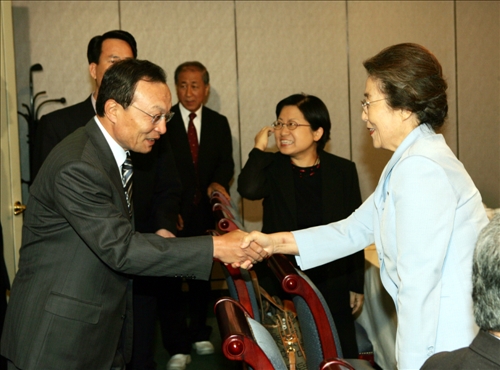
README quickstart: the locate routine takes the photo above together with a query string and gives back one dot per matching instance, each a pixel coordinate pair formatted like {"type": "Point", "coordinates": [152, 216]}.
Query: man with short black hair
{"type": "Point", "coordinates": [70, 303]}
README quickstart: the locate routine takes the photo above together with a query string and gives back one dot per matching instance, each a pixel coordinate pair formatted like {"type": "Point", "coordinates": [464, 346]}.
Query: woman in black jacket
{"type": "Point", "coordinates": [304, 186]}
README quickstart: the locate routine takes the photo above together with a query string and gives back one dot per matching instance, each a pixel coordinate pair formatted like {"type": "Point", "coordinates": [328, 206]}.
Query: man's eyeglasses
{"type": "Point", "coordinates": [365, 104]}
{"type": "Point", "coordinates": [277, 125]}
{"type": "Point", "coordinates": [155, 119]}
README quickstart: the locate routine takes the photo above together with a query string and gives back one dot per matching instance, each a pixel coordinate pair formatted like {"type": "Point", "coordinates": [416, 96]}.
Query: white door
{"type": "Point", "coordinates": [10, 168]}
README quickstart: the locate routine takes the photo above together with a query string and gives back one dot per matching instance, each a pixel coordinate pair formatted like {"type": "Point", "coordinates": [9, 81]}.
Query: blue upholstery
{"type": "Point", "coordinates": [266, 342]}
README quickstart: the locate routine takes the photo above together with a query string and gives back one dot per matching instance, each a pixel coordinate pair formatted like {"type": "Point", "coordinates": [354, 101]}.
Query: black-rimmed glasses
{"type": "Point", "coordinates": [155, 119]}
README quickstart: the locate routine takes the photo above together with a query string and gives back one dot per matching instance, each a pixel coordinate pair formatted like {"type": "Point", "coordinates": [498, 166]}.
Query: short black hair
{"type": "Point", "coordinates": [120, 81]}
{"type": "Point", "coordinates": [194, 65]}
{"type": "Point", "coordinates": [315, 112]}
{"type": "Point", "coordinates": [95, 44]}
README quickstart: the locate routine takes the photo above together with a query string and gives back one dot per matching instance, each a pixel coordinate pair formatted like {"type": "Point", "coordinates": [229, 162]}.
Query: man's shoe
{"type": "Point", "coordinates": [204, 347]}
{"type": "Point", "coordinates": [178, 362]}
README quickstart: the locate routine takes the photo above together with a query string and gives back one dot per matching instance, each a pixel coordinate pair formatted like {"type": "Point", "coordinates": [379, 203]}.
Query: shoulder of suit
{"type": "Point", "coordinates": [335, 159]}
{"type": "Point", "coordinates": [211, 112]}
{"type": "Point", "coordinates": [82, 107]}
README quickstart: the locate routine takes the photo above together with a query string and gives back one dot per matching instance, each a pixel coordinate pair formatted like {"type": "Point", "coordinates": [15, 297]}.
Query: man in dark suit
{"type": "Point", "coordinates": [484, 351]}
{"type": "Point", "coordinates": [157, 189]}
{"type": "Point", "coordinates": [202, 147]}
{"type": "Point", "coordinates": [70, 301]}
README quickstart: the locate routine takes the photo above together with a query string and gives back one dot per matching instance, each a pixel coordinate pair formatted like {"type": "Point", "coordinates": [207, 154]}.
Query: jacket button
{"type": "Point", "coordinates": [123, 317]}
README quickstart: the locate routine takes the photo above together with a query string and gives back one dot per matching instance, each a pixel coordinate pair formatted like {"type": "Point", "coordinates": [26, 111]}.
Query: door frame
{"type": "Point", "coordinates": [10, 168]}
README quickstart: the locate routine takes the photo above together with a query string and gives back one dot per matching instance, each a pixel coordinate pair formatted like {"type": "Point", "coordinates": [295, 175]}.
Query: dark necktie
{"type": "Point", "coordinates": [127, 172]}
{"type": "Point", "coordinates": [193, 146]}
{"type": "Point", "coordinates": [193, 139]}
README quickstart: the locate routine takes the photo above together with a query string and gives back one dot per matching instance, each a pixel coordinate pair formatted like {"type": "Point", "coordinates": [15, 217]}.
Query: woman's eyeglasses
{"type": "Point", "coordinates": [277, 125]}
{"type": "Point", "coordinates": [365, 104]}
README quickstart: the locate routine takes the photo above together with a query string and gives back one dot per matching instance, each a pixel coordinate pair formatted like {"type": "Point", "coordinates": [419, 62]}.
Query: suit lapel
{"type": "Point", "coordinates": [107, 160]}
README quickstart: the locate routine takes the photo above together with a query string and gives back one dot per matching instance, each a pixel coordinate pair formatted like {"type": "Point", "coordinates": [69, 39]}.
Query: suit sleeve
{"type": "Point", "coordinates": [425, 203]}
{"type": "Point", "coordinates": [357, 260]}
{"type": "Point", "coordinates": [253, 179]}
{"type": "Point", "coordinates": [84, 196]}
{"type": "Point", "coordinates": [225, 164]}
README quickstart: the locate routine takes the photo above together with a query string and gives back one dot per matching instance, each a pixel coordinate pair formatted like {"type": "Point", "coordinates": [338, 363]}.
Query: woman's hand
{"type": "Point", "coordinates": [356, 302]}
{"type": "Point", "coordinates": [262, 138]}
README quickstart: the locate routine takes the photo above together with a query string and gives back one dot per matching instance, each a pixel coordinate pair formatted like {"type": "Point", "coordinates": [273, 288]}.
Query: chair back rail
{"type": "Point", "coordinates": [243, 339]}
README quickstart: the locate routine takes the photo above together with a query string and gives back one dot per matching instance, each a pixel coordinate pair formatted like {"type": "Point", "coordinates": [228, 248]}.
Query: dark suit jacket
{"type": "Point", "coordinates": [70, 300]}
{"type": "Point", "coordinates": [157, 188]}
{"type": "Point", "coordinates": [482, 354]}
{"type": "Point", "coordinates": [215, 163]}
{"type": "Point", "coordinates": [269, 176]}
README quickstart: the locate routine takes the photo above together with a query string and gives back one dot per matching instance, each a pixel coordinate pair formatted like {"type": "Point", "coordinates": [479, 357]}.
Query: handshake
{"type": "Point", "coordinates": [241, 249]}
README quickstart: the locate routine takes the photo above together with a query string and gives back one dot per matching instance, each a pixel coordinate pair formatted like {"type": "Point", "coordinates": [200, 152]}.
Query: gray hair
{"type": "Point", "coordinates": [486, 277]}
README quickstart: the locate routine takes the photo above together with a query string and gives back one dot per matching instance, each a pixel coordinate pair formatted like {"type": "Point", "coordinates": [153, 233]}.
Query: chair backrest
{"type": "Point", "coordinates": [319, 334]}
{"type": "Point", "coordinates": [244, 339]}
{"type": "Point", "coordinates": [240, 286]}
{"type": "Point", "coordinates": [226, 225]}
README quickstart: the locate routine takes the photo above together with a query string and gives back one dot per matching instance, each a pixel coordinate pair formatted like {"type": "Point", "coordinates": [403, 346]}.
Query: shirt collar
{"type": "Point", "coordinates": [185, 113]}
{"type": "Point", "coordinates": [118, 152]}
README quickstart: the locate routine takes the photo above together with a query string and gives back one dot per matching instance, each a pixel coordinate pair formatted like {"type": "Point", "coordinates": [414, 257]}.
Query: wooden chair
{"type": "Point", "coordinates": [244, 339]}
{"type": "Point", "coordinates": [239, 283]}
{"type": "Point", "coordinates": [319, 334]}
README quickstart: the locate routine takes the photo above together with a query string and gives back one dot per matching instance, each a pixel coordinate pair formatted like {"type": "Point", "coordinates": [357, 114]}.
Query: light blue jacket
{"type": "Point", "coordinates": [424, 218]}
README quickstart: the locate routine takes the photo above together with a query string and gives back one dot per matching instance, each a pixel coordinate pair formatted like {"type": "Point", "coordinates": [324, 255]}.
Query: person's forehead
{"type": "Point", "coordinates": [190, 74]}
{"type": "Point", "coordinates": [152, 91]}
{"type": "Point", "coordinates": [116, 47]}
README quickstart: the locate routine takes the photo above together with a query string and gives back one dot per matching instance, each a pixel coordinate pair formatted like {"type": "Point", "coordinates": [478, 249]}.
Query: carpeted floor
{"type": "Point", "coordinates": [216, 361]}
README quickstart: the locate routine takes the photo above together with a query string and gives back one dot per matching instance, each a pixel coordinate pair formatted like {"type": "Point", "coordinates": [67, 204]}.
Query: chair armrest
{"type": "Point", "coordinates": [238, 343]}
{"type": "Point", "coordinates": [335, 364]}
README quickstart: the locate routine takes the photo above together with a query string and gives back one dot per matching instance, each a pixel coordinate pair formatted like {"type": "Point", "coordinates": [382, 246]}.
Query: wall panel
{"type": "Point", "coordinates": [478, 61]}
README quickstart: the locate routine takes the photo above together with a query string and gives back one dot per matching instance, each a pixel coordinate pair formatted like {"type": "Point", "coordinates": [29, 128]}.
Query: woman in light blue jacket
{"type": "Point", "coordinates": [424, 216]}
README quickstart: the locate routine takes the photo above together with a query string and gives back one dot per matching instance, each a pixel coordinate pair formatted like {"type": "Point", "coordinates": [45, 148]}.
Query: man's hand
{"type": "Point", "coordinates": [214, 186]}
{"type": "Point", "coordinates": [165, 233]}
{"type": "Point", "coordinates": [356, 302]}
{"type": "Point", "coordinates": [228, 249]}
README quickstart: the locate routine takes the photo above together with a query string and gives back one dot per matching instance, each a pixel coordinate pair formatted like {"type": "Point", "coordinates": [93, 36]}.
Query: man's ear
{"type": "Point", "coordinates": [93, 70]}
{"type": "Point", "coordinates": [111, 110]}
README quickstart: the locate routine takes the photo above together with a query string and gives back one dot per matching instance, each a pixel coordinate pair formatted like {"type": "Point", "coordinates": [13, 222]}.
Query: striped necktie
{"type": "Point", "coordinates": [127, 172]}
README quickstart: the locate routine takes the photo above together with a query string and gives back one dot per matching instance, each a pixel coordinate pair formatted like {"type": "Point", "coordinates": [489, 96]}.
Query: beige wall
{"type": "Point", "coordinates": [260, 52]}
